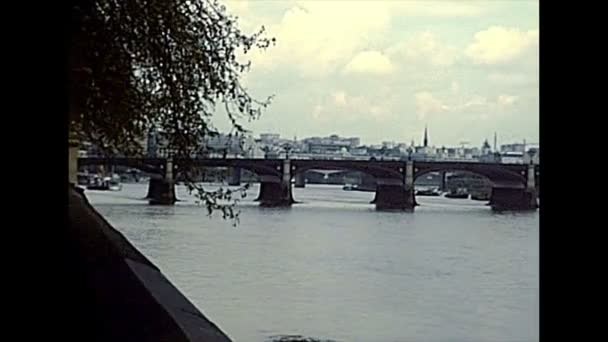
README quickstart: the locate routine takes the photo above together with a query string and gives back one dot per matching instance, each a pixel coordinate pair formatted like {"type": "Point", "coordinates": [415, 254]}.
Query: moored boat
{"type": "Point", "coordinates": [82, 178]}
{"type": "Point", "coordinates": [348, 187]}
{"type": "Point", "coordinates": [365, 188]}
{"type": "Point", "coordinates": [105, 183]}
{"type": "Point", "coordinates": [480, 197]}
{"type": "Point", "coordinates": [454, 195]}
{"type": "Point", "coordinates": [459, 193]}
{"type": "Point", "coordinates": [356, 187]}
{"type": "Point", "coordinates": [428, 192]}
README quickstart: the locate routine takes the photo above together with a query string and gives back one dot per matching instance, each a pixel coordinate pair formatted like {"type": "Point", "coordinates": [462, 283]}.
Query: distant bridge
{"type": "Point", "coordinates": [512, 184]}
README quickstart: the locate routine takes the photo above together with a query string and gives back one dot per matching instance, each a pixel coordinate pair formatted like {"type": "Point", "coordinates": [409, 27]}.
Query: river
{"type": "Point", "coordinates": [333, 268]}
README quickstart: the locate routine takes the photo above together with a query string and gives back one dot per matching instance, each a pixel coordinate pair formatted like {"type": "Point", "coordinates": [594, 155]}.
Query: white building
{"type": "Point", "coordinates": [269, 138]}
{"type": "Point", "coordinates": [389, 144]}
{"type": "Point", "coordinates": [512, 157]}
{"type": "Point", "coordinates": [517, 147]}
{"type": "Point", "coordinates": [331, 144]}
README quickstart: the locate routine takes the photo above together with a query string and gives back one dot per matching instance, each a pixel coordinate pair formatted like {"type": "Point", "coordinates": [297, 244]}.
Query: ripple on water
{"type": "Point", "coordinates": [296, 338]}
{"type": "Point", "coordinates": [332, 268]}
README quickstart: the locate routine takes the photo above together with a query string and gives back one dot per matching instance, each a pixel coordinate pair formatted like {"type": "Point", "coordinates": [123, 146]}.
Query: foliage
{"type": "Point", "coordinates": [137, 64]}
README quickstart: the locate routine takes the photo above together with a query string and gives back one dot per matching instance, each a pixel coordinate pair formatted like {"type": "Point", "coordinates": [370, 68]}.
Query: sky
{"type": "Point", "coordinates": [382, 70]}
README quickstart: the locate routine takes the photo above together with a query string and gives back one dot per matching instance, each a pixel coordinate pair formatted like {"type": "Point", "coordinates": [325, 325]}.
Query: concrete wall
{"type": "Point", "coordinates": [123, 296]}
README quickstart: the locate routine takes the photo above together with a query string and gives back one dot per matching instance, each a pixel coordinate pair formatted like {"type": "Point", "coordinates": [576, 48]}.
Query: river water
{"type": "Point", "coordinates": [332, 268]}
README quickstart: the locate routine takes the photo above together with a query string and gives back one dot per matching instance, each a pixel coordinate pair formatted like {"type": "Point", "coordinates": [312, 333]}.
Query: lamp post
{"type": "Point", "coordinates": [287, 148]}
{"type": "Point", "coordinates": [531, 182]}
{"type": "Point", "coordinates": [266, 149]}
{"type": "Point", "coordinates": [531, 154]}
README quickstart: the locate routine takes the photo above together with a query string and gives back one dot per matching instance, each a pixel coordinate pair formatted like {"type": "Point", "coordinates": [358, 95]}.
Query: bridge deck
{"type": "Point", "coordinates": [377, 168]}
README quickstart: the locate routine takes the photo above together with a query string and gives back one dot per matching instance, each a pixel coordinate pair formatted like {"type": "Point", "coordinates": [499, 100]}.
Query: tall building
{"type": "Point", "coordinates": [426, 137]}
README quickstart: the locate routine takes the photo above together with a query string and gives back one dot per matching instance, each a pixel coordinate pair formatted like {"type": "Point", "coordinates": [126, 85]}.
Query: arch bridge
{"type": "Point", "coordinates": [513, 185]}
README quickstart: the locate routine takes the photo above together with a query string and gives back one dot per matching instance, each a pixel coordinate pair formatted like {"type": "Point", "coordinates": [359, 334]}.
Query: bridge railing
{"type": "Point", "coordinates": [199, 156]}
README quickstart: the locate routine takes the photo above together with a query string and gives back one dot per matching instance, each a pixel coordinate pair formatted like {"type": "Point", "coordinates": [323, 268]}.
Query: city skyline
{"type": "Point", "coordinates": [417, 142]}
{"type": "Point", "coordinates": [382, 70]}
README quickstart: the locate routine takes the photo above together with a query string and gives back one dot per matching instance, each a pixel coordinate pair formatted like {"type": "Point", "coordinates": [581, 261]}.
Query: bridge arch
{"type": "Point", "coordinates": [375, 171]}
{"type": "Point", "coordinates": [496, 175]}
{"type": "Point", "coordinates": [149, 165]}
{"type": "Point", "coordinates": [256, 167]}
{"type": "Point", "coordinates": [392, 173]}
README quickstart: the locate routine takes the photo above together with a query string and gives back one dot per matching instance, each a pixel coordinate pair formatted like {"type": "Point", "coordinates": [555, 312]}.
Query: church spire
{"type": "Point", "coordinates": [426, 136]}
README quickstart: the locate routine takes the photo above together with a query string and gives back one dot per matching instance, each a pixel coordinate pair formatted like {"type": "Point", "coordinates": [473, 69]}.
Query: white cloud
{"type": "Point", "coordinates": [340, 98]}
{"type": "Point", "coordinates": [497, 77]}
{"type": "Point", "coordinates": [369, 62]}
{"type": "Point", "coordinates": [237, 7]}
{"type": "Point", "coordinates": [471, 105]}
{"type": "Point", "coordinates": [348, 108]}
{"type": "Point", "coordinates": [435, 8]}
{"type": "Point", "coordinates": [329, 67]}
{"type": "Point", "coordinates": [425, 48]}
{"type": "Point", "coordinates": [319, 37]}
{"type": "Point", "coordinates": [506, 100]}
{"type": "Point", "coordinates": [426, 104]}
{"type": "Point", "coordinates": [500, 45]}
{"type": "Point", "coordinates": [317, 112]}
{"type": "Point", "coordinates": [475, 101]}
{"type": "Point", "coordinates": [242, 10]}
{"type": "Point", "coordinates": [513, 79]}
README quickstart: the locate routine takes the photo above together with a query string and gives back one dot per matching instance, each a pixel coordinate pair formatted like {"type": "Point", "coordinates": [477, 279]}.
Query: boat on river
{"type": "Point", "coordinates": [428, 192]}
{"type": "Point", "coordinates": [97, 182]}
{"type": "Point", "coordinates": [357, 187]}
{"type": "Point", "coordinates": [459, 193]}
{"type": "Point", "coordinates": [348, 187]}
{"type": "Point", "coordinates": [482, 196]}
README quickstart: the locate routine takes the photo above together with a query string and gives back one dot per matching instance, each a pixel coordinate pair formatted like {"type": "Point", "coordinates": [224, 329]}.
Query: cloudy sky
{"type": "Point", "coordinates": [382, 70]}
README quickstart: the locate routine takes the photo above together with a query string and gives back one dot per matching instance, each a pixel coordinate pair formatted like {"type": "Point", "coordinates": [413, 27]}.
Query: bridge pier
{"type": "Point", "coordinates": [275, 195]}
{"type": "Point", "coordinates": [276, 191]}
{"type": "Point", "coordinates": [394, 193]}
{"type": "Point", "coordinates": [73, 161]}
{"type": "Point", "coordinates": [505, 198]}
{"type": "Point", "coordinates": [161, 191]}
{"type": "Point", "coordinates": [300, 180]}
{"type": "Point", "coordinates": [531, 185]}
{"type": "Point", "coordinates": [235, 176]}
{"type": "Point", "coordinates": [391, 180]}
